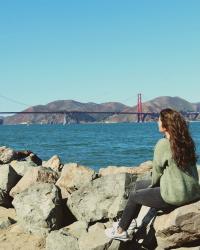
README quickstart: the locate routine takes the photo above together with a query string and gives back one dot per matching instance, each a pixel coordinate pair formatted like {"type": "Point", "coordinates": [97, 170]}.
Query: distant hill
{"type": "Point", "coordinates": [154, 105]}
{"type": "Point", "coordinates": [64, 105]}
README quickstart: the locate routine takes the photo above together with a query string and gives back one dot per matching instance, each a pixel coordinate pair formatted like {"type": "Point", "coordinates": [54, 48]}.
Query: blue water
{"type": "Point", "coordinates": [92, 145]}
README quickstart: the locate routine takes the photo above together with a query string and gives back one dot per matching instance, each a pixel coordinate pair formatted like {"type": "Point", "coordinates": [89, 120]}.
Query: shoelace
{"type": "Point", "coordinates": [113, 231]}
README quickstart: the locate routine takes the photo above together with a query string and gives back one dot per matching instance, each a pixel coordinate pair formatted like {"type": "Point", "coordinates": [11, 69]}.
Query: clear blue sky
{"type": "Point", "coordinates": [98, 50]}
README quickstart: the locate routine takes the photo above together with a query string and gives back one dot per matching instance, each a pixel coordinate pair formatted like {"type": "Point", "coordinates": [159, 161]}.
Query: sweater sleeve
{"type": "Point", "coordinates": [158, 162]}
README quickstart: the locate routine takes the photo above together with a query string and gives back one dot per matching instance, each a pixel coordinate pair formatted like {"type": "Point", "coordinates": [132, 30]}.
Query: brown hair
{"type": "Point", "coordinates": [182, 144]}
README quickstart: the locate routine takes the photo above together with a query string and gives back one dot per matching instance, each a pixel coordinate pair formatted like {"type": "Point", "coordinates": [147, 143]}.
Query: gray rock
{"type": "Point", "coordinates": [180, 227]}
{"type": "Point", "coordinates": [34, 159]}
{"type": "Point", "coordinates": [187, 248]}
{"type": "Point", "coordinates": [57, 240]}
{"type": "Point", "coordinates": [95, 239]}
{"type": "Point", "coordinates": [5, 199]}
{"type": "Point", "coordinates": [6, 222]}
{"type": "Point", "coordinates": [34, 175]}
{"type": "Point", "coordinates": [21, 167]}
{"type": "Point", "coordinates": [73, 176]}
{"type": "Point", "coordinates": [6, 155]}
{"type": "Point", "coordinates": [102, 198]}
{"type": "Point", "coordinates": [76, 229]}
{"type": "Point", "coordinates": [144, 176]}
{"type": "Point", "coordinates": [8, 177]}
{"type": "Point", "coordinates": [115, 245]}
{"type": "Point", "coordinates": [38, 208]}
{"type": "Point", "coordinates": [54, 163]}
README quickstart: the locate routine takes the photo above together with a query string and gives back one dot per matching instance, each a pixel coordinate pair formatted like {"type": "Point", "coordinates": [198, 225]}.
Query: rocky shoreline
{"type": "Point", "coordinates": [50, 205]}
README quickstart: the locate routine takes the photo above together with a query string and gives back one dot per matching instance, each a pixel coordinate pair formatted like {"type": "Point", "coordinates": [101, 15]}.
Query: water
{"type": "Point", "coordinates": [92, 145]}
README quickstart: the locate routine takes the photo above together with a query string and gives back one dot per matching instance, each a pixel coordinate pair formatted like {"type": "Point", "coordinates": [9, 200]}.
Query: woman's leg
{"type": "Point", "coordinates": [131, 206]}
{"type": "Point", "coordinates": [149, 197]}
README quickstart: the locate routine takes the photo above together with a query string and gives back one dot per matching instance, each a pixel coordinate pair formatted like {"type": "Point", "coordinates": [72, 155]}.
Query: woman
{"type": "Point", "coordinates": [174, 175]}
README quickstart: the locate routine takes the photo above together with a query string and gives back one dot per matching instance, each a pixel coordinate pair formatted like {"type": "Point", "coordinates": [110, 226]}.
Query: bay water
{"type": "Point", "coordinates": [93, 145]}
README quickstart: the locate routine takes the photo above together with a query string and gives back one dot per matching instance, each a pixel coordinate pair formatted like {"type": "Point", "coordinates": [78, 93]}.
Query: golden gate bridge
{"type": "Point", "coordinates": [73, 114]}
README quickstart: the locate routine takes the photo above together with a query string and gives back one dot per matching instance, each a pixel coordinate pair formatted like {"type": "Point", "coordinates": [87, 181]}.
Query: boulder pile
{"type": "Point", "coordinates": [50, 205]}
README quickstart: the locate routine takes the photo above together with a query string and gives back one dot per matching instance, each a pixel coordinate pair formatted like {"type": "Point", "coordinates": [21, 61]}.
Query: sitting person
{"type": "Point", "coordinates": [174, 175]}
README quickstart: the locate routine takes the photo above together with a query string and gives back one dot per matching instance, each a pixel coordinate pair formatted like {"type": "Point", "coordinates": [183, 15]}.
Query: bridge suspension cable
{"type": "Point", "coordinates": [13, 100]}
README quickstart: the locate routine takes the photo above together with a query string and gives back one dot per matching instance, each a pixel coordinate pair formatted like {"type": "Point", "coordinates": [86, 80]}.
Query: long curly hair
{"type": "Point", "coordinates": [182, 145]}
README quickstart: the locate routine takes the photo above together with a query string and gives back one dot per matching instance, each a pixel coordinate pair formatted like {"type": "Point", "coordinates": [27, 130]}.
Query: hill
{"type": "Point", "coordinates": [154, 105]}
{"type": "Point", "coordinates": [64, 105]}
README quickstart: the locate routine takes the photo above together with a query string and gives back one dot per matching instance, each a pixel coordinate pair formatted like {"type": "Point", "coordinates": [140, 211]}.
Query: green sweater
{"type": "Point", "coordinates": [177, 186]}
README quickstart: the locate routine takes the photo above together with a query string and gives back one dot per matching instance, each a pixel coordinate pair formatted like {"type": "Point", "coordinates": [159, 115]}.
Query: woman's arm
{"type": "Point", "coordinates": [159, 162]}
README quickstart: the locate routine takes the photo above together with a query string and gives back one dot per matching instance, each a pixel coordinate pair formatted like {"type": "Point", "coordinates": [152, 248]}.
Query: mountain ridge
{"type": "Point", "coordinates": [154, 105]}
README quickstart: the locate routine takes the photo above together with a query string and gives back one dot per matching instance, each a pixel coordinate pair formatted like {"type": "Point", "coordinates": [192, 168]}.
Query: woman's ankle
{"type": "Point", "coordinates": [120, 230]}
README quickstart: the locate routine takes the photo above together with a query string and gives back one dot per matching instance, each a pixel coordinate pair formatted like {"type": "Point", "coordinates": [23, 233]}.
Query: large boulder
{"type": "Point", "coordinates": [102, 198]}
{"type": "Point", "coordinates": [178, 228]}
{"type": "Point", "coordinates": [33, 158]}
{"type": "Point", "coordinates": [14, 238]}
{"type": "Point", "coordinates": [76, 229]}
{"type": "Point", "coordinates": [39, 209]}
{"type": "Point", "coordinates": [67, 237]}
{"type": "Point", "coordinates": [7, 217]}
{"type": "Point", "coordinates": [54, 163]}
{"type": "Point", "coordinates": [8, 212]}
{"type": "Point", "coordinates": [21, 167]}
{"type": "Point", "coordinates": [95, 238]}
{"type": "Point", "coordinates": [8, 177]}
{"type": "Point", "coordinates": [34, 175]}
{"type": "Point", "coordinates": [141, 169]}
{"type": "Point", "coordinates": [73, 176]}
{"type": "Point", "coordinates": [6, 155]}
{"type": "Point", "coordinates": [59, 241]}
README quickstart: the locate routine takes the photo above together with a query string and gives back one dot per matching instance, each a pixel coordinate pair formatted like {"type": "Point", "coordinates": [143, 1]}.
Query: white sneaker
{"type": "Point", "coordinates": [113, 234]}
{"type": "Point", "coordinates": [131, 229]}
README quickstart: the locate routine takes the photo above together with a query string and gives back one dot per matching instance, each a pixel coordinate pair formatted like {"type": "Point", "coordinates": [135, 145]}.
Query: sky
{"type": "Point", "coordinates": [98, 51]}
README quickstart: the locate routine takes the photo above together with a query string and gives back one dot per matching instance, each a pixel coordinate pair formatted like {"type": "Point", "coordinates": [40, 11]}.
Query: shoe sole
{"type": "Point", "coordinates": [120, 239]}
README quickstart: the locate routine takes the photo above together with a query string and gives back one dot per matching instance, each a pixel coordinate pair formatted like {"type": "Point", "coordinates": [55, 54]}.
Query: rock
{"type": "Point", "coordinates": [187, 248]}
{"type": "Point", "coordinates": [5, 199]}
{"type": "Point", "coordinates": [180, 227]}
{"type": "Point", "coordinates": [115, 245]}
{"type": "Point", "coordinates": [5, 222]}
{"type": "Point", "coordinates": [53, 163]}
{"type": "Point", "coordinates": [8, 177]}
{"type": "Point", "coordinates": [102, 198]}
{"type": "Point", "coordinates": [34, 175]}
{"type": "Point", "coordinates": [57, 240]}
{"type": "Point", "coordinates": [144, 176]}
{"type": "Point", "coordinates": [11, 240]}
{"type": "Point", "coordinates": [6, 155]}
{"type": "Point", "coordinates": [7, 217]}
{"type": "Point", "coordinates": [39, 208]}
{"type": "Point", "coordinates": [7, 212]}
{"type": "Point", "coordinates": [76, 229]}
{"type": "Point", "coordinates": [33, 158]}
{"type": "Point", "coordinates": [29, 156]}
{"type": "Point", "coordinates": [21, 167]}
{"type": "Point", "coordinates": [141, 169]}
{"type": "Point", "coordinates": [73, 176]}
{"type": "Point", "coordinates": [95, 239]}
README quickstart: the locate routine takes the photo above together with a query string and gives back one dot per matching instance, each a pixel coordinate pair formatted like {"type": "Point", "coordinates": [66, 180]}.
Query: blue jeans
{"type": "Point", "coordinates": [142, 195]}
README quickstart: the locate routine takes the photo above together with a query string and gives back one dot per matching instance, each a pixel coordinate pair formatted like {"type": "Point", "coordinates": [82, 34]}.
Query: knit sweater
{"type": "Point", "coordinates": [177, 187]}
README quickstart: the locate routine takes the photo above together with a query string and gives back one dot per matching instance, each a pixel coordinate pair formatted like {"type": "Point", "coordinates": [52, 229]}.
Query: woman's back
{"type": "Point", "coordinates": [178, 186]}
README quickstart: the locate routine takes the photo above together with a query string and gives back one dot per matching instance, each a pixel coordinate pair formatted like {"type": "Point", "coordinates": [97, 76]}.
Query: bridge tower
{"type": "Point", "coordinates": [139, 108]}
